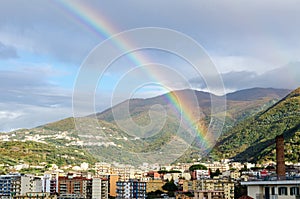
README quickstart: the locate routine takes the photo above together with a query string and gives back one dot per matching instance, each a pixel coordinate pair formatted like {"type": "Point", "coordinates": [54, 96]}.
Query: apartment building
{"type": "Point", "coordinates": [217, 165]}
{"type": "Point", "coordinates": [99, 188]}
{"type": "Point", "coordinates": [75, 186]}
{"type": "Point", "coordinates": [112, 185]}
{"type": "Point", "coordinates": [154, 185]}
{"type": "Point", "coordinates": [35, 195]}
{"type": "Point", "coordinates": [9, 185]}
{"type": "Point", "coordinates": [223, 185]}
{"type": "Point", "coordinates": [131, 189]}
{"type": "Point", "coordinates": [31, 183]}
{"type": "Point", "coordinates": [277, 189]}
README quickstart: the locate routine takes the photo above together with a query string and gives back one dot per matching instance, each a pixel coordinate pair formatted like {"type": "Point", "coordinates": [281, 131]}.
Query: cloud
{"type": "Point", "coordinates": [31, 88]}
{"type": "Point", "coordinates": [248, 41]}
{"type": "Point", "coordinates": [7, 52]}
{"type": "Point", "coordinates": [266, 30]}
{"type": "Point", "coordinates": [28, 100]}
{"type": "Point", "coordinates": [287, 76]}
{"type": "Point", "coordinates": [9, 115]}
{"type": "Point", "coordinates": [28, 116]}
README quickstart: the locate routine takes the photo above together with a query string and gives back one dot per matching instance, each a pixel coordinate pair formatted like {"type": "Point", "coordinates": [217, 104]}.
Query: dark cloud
{"type": "Point", "coordinates": [267, 30]}
{"type": "Point", "coordinates": [7, 52]}
{"type": "Point", "coordinates": [284, 77]}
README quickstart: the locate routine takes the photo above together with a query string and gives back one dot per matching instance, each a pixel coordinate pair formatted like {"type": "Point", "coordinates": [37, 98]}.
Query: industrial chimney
{"type": "Point", "coordinates": [280, 169]}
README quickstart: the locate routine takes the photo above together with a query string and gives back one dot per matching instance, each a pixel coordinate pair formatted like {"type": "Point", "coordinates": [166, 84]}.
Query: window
{"type": "Point", "coordinates": [273, 190]}
{"type": "Point", "coordinates": [294, 191]}
{"type": "Point", "coordinates": [282, 190]}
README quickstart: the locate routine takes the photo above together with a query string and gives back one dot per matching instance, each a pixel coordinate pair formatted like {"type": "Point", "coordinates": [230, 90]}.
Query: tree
{"type": "Point", "coordinates": [197, 167]}
{"type": "Point", "coordinates": [213, 174]}
{"type": "Point", "coordinates": [162, 171]}
{"type": "Point", "coordinates": [217, 173]}
{"type": "Point", "coordinates": [170, 187]}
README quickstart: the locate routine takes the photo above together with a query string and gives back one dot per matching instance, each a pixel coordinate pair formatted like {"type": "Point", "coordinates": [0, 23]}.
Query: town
{"type": "Point", "coordinates": [224, 179]}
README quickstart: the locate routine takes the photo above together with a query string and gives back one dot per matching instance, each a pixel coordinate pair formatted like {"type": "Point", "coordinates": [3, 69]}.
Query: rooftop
{"type": "Point", "coordinates": [272, 182]}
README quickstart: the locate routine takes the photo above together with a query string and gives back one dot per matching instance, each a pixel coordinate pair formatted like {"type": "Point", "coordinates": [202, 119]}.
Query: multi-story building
{"type": "Point", "coordinates": [46, 183]}
{"type": "Point", "coordinates": [111, 181]}
{"type": "Point", "coordinates": [223, 185]}
{"type": "Point", "coordinates": [217, 165]}
{"type": "Point", "coordinates": [30, 183]}
{"type": "Point", "coordinates": [54, 184]}
{"type": "Point", "coordinates": [200, 174]}
{"type": "Point", "coordinates": [131, 189]}
{"type": "Point", "coordinates": [103, 168]}
{"type": "Point", "coordinates": [16, 185]}
{"type": "Point", "coordinates": [88, 188]}
{"type": "Point", "coordinates": [209, 194]}
{"type": "Point", "coordinates": [273, 189]}
{"type": "Point", "coordinates": [81, 187]}
{"type": "Point", "coordinates": [9, 185]}
{"type": "Point", "coordinates": [12, 185]}
{"type": "Point", "coordinates": [112, 185]}
{"type": "Point", "coordinates": [35, 195]}
{"type": "Point", "coordinates": [104, 188]}
{"type": "Point", "coordinates": [154, 185]}
{"type": "Point", "coordinates": [75, 186]}
{"type": "Point", "coordinates": [99, 188]}
{"type": "Point", "coordinates": [124, 173]}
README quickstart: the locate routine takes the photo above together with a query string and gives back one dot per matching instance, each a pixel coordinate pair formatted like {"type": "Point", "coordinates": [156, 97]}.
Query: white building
{"type": "Point", "coordinates": [277, 189]}
{"type": "Point", "coordinates": [131, 189]}
{"type": "Point", "coordinates": [99, 188]}
{"type": "Point", "coordinates": [84, 166]}
{"type": "Point", "coordinates": [46, 183]}
{"type": "Point", "coordinates": [200, 174]}
{"type": "Point", "coordinates": [96, 188]}
{"type": "Point", "coordinates": [31, 183]}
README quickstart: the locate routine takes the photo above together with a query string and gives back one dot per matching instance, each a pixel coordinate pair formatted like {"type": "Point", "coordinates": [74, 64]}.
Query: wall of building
{"type": "Point", "coordinates": [96, 188]}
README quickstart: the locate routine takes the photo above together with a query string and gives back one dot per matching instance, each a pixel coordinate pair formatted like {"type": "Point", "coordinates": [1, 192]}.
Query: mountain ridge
{"type": "Point", "coordinates": [105, 140]}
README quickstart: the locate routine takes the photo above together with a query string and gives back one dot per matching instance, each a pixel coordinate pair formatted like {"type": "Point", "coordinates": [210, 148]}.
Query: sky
{"type": "Point", "coordinates": [45, 45]}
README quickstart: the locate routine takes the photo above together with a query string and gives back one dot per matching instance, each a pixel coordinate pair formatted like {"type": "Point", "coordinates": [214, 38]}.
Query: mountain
{"type": "Point", "coordinates": [254, 138]}
{"type": "Point", "coordinates": [239, 105]}
{"type": "Point", "coordinates": [111, 137]}
{"type": "Point", "coordinates": [257, 93]}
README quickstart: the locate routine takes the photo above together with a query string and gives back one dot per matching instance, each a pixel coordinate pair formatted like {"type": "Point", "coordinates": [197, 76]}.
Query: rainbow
{"type": "Point", "coordinates": [99, 25]}
{"type": "Point", "coordinates": [96, 23]}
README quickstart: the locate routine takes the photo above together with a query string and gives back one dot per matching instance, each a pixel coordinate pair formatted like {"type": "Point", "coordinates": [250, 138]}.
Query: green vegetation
{"type": "Point", "coordinates": [197, 167]}
{"type": "Point", "coordinates": [254, 138]}
{"type": "Point", "coordinates": [214, 174]}
{"type": "Point", "coordinates": [35, 153]}
{"type": "Point", "coordinates": [170, 187]}
{"type": "Point", "coordinates": [62, 125]}
{"type": "Point", "coordinates": [171, 171]}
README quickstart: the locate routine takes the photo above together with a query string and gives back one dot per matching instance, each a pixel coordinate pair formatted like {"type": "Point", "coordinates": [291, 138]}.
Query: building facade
{"type": "Point", "coordinates": [223, 185]}
{"type": "Point", "coordinates": [9, 185]}
{"type": "Point", "coordinates": [99, 188]}
{"type": "Point", "coordinates": [74, 186]}
{"type": "Point", "coordinates": [131, 189]}
{"type": "Point", "coordinates": [277, 189]}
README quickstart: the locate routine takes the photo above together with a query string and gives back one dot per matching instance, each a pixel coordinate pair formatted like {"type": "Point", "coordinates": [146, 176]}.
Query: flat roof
{"type": "Point", "coordinates": [273, 182]}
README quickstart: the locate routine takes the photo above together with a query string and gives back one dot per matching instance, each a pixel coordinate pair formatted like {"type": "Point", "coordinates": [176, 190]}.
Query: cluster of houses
{"type": "Point", "coordinates": [103, 180]}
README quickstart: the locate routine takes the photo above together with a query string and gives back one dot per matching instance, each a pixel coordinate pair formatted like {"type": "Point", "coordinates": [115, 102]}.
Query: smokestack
{"type": "Point", "coordinates": [280, 169]}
